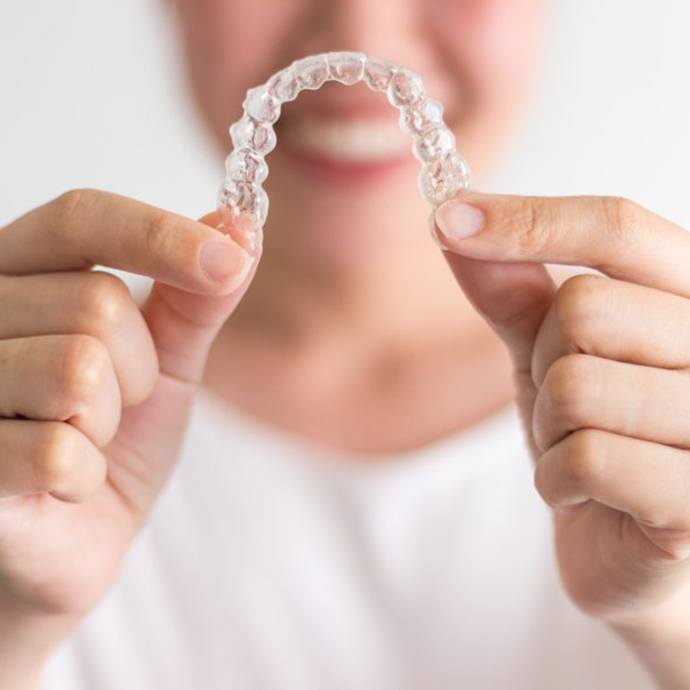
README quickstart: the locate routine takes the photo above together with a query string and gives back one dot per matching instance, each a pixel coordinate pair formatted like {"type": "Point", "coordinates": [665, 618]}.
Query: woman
{"type": "Point", "coordinates": [353, 507]}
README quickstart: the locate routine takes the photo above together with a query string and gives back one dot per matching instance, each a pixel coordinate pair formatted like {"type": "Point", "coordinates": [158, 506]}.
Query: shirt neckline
{"type": "Point", "coordinates": [491, 435]}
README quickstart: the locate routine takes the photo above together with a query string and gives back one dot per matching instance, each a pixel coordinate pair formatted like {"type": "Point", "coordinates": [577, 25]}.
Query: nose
{"type": "Point", "coordinates": [391, 29]}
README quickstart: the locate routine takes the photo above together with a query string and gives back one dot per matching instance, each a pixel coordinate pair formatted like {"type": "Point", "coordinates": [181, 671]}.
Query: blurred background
{"type": "Point", "coordinates": [93, 93]}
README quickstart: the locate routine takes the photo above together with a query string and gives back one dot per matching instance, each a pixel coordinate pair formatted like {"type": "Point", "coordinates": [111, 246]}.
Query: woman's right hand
{"type": "Point", "coordinates": [95, 394]}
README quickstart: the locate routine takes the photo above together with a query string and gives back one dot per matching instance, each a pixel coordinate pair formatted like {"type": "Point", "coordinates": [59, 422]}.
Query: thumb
{"type": "Point", "coordinates": [184, 324]}
{"type": "Point", "coordinates": [513, 296]}
{"type": "Point", "coordinates": [514, 299]}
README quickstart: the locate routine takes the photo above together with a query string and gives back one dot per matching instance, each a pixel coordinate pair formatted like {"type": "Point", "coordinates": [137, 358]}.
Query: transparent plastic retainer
{"type": "Point", "coordinates": [243, 202]}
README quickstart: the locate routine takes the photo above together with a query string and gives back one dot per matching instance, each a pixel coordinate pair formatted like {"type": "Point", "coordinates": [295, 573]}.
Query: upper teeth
{"type": "Point", "coordinates": [348, 140]}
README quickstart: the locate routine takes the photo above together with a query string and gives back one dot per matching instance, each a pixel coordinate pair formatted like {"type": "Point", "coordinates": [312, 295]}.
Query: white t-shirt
{"type": "Point", "coordinates": [272, 563]}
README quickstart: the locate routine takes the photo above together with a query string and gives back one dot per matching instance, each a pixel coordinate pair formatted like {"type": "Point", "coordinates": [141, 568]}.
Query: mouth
{"type": "Point", "coordinates": [352, 147]}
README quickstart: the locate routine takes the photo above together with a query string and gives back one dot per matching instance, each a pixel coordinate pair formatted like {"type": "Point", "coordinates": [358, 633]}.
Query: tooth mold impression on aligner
{"type": "Point", "coordinates": [444, 172]}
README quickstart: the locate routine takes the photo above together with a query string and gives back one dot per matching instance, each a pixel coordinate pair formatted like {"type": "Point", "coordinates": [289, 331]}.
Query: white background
{"type": "Point", "coordinates": [92, 93]}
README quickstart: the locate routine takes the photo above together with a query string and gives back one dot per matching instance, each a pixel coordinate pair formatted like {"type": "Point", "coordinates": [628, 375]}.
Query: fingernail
{"type": "Point", "coordinates": [221, 261]}
{"type": "Point", "coordinates": [458, 220]}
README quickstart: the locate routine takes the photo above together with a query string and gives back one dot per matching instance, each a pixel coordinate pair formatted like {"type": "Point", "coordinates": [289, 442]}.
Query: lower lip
{"type": "Point", "coordinates": [345, 172]}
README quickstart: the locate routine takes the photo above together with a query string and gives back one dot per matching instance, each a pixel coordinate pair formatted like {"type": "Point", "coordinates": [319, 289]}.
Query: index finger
{"type": "Point", "coordinates": [613, 235]}
{"type": "Point", "coordinates": [86, 227]}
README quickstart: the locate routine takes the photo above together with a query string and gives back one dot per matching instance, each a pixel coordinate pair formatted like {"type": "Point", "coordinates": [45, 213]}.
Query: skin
{"type": "Point", "coordinates": [95, 390]}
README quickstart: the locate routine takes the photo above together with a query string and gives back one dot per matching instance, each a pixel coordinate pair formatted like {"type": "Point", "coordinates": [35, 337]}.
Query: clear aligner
{"type": "Point", "coordinates": [444, 173]}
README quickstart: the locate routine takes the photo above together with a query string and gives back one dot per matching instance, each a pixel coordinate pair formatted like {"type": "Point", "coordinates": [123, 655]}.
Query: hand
{"type": "Point", "coordinates": [602, 367]}
{"type": "Point", "coordinates": [94, 393]}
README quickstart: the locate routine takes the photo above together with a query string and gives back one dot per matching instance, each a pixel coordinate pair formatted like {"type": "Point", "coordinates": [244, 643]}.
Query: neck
{"type": "Point", "coordinates": [338, 353]}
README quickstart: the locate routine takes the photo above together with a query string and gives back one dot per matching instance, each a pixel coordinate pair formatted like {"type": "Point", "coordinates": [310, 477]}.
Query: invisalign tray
{"type": "Point", "coordinates": [444, 172]}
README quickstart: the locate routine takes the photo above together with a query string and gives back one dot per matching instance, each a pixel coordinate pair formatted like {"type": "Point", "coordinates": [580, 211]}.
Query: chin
{"type": "Point", "coordinates": [344, 224]}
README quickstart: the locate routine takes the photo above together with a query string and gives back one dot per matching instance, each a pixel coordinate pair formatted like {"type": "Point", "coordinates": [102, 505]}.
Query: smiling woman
{"type": "Point", "coordinates": [336, 463]}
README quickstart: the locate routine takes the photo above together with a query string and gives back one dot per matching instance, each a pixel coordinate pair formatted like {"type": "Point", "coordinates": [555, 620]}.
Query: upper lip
{"type": "Point", "coordinates": [340, 102]}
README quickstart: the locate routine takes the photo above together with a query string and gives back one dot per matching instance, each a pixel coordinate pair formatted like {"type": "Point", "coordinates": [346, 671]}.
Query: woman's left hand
{"type": "Point", "coordinates": [603, 376]}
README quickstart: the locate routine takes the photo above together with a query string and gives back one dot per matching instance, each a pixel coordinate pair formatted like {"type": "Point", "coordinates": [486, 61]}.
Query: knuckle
{"type": "Point", "coordinates": [571, 386]}
{"type": "Point", "coordinates": [108, 430]}
{"type": "Point", "coordinates": [159, 232]}
{"type": "Point", "coordinates": [579, 303]}
{"type": "Point", "coordinates": [83, 368]}
{"type": "Point", "coordinates": [103, 301]}
{"type": "Point", "coordinates": [145, 383]}
{"type": "Point", "coordinates": [55, 455]}
{"type": "Point", "coordinates": [585, 459]}
{"type": "Point", "coordinates": [532, 230]}
{"type": "Point", "coordinates": [623, 217]}
{"type": "Point", "coordinates": [581, 464]}
{"type": "Point", "coordinates": [70, 206]}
